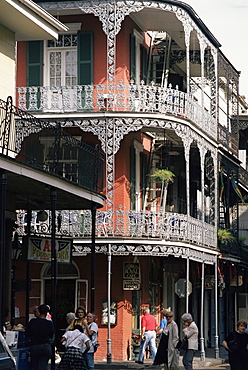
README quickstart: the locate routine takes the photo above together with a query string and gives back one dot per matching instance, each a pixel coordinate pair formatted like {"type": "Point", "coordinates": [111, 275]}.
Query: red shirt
{"type": "Point", "coordinates": [148, 322]}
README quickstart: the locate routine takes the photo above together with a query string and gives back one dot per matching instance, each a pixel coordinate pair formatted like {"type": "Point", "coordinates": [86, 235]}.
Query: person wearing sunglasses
{"type": "Point", "coordinates": [167, 352]}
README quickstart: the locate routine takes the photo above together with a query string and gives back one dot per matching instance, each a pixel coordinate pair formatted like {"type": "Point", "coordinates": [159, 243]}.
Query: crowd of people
{"type": "Point", "coordinates": [168, 349]}
{"type": "Point", "coordinates": [80, 340]}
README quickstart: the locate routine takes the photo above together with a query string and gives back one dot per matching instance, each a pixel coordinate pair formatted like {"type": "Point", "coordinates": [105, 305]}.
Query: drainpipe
{"type": "Point", "coordinates": [202, 315]}
{"type": "Point", "coordinates": [109, 354]}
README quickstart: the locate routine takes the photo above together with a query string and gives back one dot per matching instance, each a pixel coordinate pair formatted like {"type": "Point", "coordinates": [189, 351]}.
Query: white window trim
{"type": "Point", "coordinates": [139, 40]}
{"type": "Point", "coordinates": [138, 149]}
{"type": "Point", "coordinates": [73, 28]}
{"type": "Point", "coordinates": [76, 292]}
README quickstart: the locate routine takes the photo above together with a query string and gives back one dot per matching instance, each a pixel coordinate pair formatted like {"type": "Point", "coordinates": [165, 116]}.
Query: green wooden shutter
{"type": "Point", "coordinates": [132, 57]}
{"type": "Point", "coordinates": [85, 57]}
{"type": "Point", "coordinates": [132, 178]}
{"type": "Point", "coordinates": [143, 178]}
{"type": "Point", "coordinates": [144, 63]}
{"type": "Point", "coordinates": [34, 63]}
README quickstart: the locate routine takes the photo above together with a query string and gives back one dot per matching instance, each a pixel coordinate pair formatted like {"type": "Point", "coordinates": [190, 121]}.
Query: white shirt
{"type": "Point", "coordinates": [93, 326]}
{"type": "Point", "coordinates": [74, 338]}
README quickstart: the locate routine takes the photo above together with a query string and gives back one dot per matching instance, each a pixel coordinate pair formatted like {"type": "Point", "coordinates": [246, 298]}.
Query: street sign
{"type": "Point", "coordinates": [180, 288]}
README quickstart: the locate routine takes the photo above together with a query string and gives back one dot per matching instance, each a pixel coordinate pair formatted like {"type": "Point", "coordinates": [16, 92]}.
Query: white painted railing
{"type": "Point", "coordinates": [117, 97]}
{"type": "Point", "coordinates": [126, 224]}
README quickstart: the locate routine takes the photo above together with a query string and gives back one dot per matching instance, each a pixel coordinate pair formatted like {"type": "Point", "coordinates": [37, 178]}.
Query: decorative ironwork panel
{"type": "Point", "coordinates": [126, 224]}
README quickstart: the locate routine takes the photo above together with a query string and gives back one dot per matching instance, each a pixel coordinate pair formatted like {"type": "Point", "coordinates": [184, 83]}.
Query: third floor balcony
{"type": "Point", "coordinates": [127, 98]}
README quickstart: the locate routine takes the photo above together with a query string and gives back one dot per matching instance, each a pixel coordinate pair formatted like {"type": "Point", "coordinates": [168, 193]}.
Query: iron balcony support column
{"type": "Point", "coordinates": [29, 217]}
{"type": "Point", "coordinates": [109, 354]}
{"type": "Point", "coordinates": [187, 285]}
{"type": "Point", "coordinates": [217, 352]}
{"type": "Point", "coordinates": [53, 267]}
{"type": "Point", "coordinates": [202, 315]}
{"type": "Point", "coordinates": [2, 247]}
{"type": "Point", "coordinates": [93, 256]}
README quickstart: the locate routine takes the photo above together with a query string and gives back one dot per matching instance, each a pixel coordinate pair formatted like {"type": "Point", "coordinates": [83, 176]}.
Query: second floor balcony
{"type": "Point", "coordinates": [139, 225]}
{"type": "Point", "coordinates": [46, 147]}
{"type": "Point", "coordinates": [141, 99]}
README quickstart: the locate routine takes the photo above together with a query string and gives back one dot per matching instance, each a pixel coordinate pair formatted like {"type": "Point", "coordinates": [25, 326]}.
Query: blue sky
{"type": "Point", "coordinates": [228, 22]}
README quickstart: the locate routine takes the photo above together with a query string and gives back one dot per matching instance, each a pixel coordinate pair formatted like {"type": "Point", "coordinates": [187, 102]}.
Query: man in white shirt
{"type": "Point", "coordinates": [91, 330]}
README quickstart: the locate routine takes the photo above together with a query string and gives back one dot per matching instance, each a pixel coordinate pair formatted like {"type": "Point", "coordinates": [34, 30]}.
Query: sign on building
{"type": "Point", "coordinates": [39, 249]}
{"type": "Point", "coordinates": [131, 276]}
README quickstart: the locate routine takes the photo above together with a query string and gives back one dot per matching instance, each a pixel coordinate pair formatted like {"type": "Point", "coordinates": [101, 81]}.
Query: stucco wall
{"type": "Point", "coordinates": [7, 63]}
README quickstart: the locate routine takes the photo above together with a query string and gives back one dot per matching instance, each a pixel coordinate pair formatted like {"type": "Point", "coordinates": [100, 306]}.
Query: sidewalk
{"type": "Point", "coordinates": [210, 360]}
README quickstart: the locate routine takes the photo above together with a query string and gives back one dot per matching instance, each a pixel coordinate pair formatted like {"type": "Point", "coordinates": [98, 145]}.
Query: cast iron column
{"type": "Point", "coordinates": [29, 217]}
{"type": "Point", "coordinates": [93, 256]}
{"type": "Point", "coordinates": [2, 247]}
{"type": "Point", "coordinates": [53, 267]}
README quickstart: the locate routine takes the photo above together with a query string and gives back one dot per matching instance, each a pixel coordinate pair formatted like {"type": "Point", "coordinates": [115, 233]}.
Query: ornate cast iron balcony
{"type": "Point", "coordinates": [126, 224]}
{"type": "Point", "coordinates": [117, 97]}
{"type": "Point", "coordinates": [45, 146]}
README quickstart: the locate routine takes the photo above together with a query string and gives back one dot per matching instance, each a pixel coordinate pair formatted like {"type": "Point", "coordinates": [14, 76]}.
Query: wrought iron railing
{"type": "Point", "coordinates": [125, 224]}
{"type": "Point", "coordinates": [117, 97]}
{"type": "Point", "coordinates": [243, 176]}
{"type": "Point", "coordinates": [45, 146]}
{"type": "Point", "coordinates": [228, 140]}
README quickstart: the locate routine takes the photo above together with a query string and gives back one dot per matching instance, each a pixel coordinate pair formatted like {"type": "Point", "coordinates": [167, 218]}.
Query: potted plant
{"type": "Point", "coordinates": [163, 177]}
{"type": "Point", "coordinates": [225, 236]}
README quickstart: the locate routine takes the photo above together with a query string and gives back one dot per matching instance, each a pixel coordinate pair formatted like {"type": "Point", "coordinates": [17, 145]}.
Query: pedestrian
{"type": "Point", "coordinates": [190, 332]}
{"type": "Point", "coordinates": [162, 323]}
{"type": "Point", "coordinates": [73, 358]}
{"type": "Point", "coordinates": [80, 316]}
{"type": "Point", "coordinates": [40, 331]}
{"type": "Point", "coordinates": [70, 317]}
{"type": "Point", "coordinates": [91, 330]}
{"type": "Point", "coordinates": [168, 353]}
{"type": "Point", "coordinates": [236, 345]}
{"type": "Point", "coordinates": [148, 335]}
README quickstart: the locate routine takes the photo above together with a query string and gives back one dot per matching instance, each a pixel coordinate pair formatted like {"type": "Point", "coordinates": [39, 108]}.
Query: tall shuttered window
{"type": "Point", "coordinates": [132, 178]}
{"type": "Point", "coordinates": [85, 57]}
{"type": "Point", "coordinates": [143, 177]}
{"type": "Point", "coordinates": [132, 57]}
{"type": "Point", "coordinates": [144, 63]}
{"type": "Point", "coordinates": [34, 63]}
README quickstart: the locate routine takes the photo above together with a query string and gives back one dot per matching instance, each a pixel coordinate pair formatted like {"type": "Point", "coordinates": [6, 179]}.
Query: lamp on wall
{"type": "Point", "coordinates": [42, 216]}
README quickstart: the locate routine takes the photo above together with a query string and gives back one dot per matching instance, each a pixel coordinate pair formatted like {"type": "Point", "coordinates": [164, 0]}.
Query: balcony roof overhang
{"type": "Point", "coordinates": [28, 21]}
{"type": "Point", "coordinates": [29, 188]}
{"type": "Point", "coordinates": [148, 18]}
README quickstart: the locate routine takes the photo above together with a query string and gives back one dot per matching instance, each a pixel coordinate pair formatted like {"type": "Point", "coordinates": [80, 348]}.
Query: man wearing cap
{"type": "Point", "coordinates": [148, 335]}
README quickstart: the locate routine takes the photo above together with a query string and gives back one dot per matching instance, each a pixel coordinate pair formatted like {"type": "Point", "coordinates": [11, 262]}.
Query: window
{"type": "Point", "coordinates": [62, 57]}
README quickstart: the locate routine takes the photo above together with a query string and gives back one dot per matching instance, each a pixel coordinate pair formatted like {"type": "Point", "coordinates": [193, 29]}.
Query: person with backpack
{"type": "Point", "coordinates": [91, 330]}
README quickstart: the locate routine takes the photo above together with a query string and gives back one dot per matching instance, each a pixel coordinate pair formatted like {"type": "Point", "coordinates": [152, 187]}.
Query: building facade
{"type": "Point", "coordinates": [147, 83]}
{"type": "Point", "coordinates": [27, 180]}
